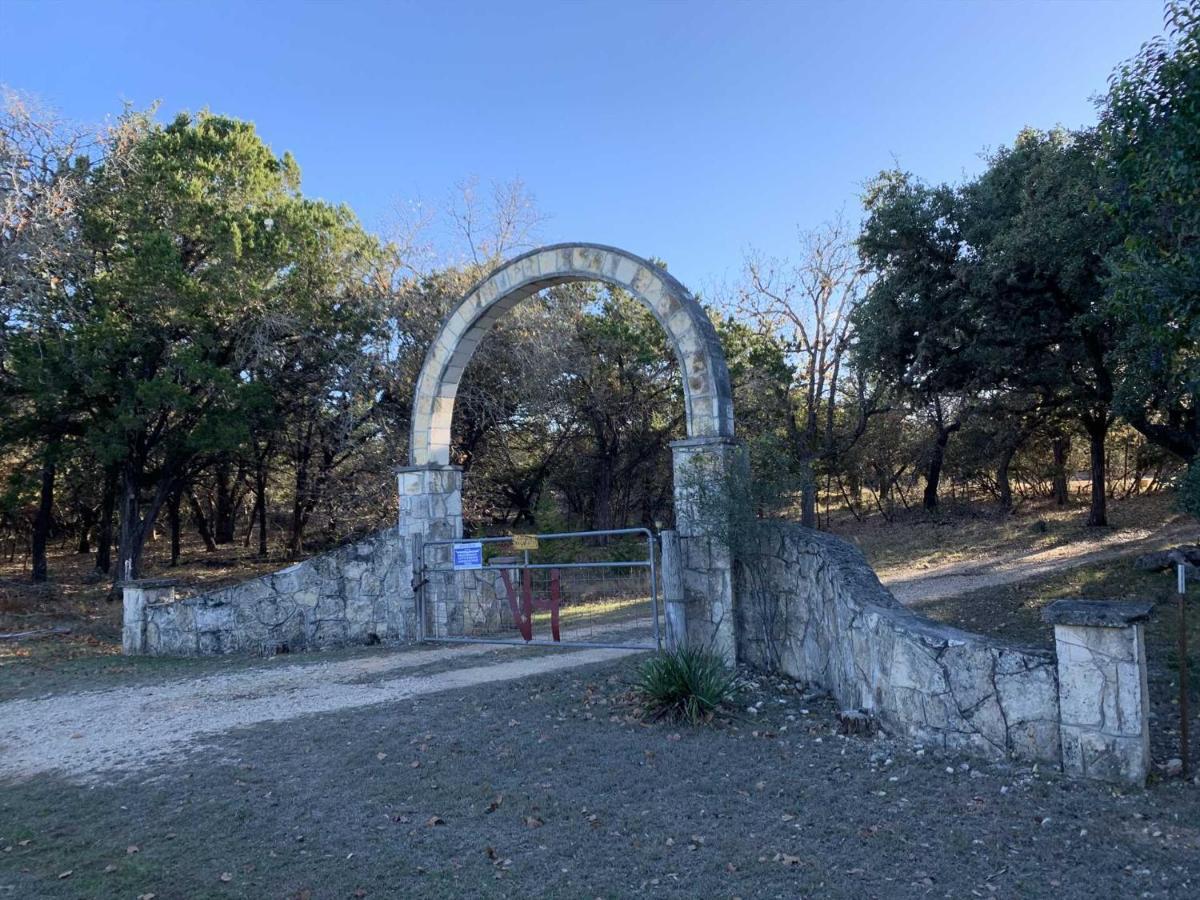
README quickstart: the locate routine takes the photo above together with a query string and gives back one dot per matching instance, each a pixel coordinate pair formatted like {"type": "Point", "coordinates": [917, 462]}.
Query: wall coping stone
{"type": "Point", "coordinates": [429, 467]}
{"type": "Point", "coordinates": [1097, 613]}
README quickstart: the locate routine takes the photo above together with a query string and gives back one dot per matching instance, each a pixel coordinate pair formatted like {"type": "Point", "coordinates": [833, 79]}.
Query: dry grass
{"type": "Point", "coordinates": [918, 540]}
{"type": "Point", "coordinates": [614, 609]}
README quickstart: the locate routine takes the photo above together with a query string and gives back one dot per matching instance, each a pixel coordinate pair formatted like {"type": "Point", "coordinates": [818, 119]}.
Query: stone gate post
{"type": "Point", "coordinates": [1103, 700]}
{"type": "Point", "coordinates": [705, 559]}
{"type": "Point", "coordinates": [430, 507]}
{"type": "Point", "coordinates": [135, 597]}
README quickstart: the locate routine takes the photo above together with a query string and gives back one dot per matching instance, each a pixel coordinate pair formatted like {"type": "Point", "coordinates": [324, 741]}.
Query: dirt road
{"type": "Point", "coordinates": [917, 586]}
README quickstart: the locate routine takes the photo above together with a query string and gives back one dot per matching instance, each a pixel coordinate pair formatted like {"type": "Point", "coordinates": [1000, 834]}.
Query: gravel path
{"type": "Point", "coordinates": [915, 587]}
{"type": "Point", "coordinates": [85, 736]}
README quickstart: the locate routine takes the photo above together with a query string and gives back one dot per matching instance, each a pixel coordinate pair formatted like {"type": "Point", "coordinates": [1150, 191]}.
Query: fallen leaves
{"type": "Point", "coordinates": [533, 822]}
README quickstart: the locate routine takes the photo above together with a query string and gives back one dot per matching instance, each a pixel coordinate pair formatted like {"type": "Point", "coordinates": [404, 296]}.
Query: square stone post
{"type": "Point", "coordinates": [674, 608]}
{"type": "Point", "coordinates": [1103, 701]}
{"type": "Point", "coordinates": [430, 510]}
{"type": "Point", "coordinates": [702, 467]}
{"type": "Point", "coordinates": [135, 597]}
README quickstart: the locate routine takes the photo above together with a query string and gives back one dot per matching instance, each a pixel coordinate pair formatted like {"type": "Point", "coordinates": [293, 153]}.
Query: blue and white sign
{"type": "Point", "coordinates": [468, 555]}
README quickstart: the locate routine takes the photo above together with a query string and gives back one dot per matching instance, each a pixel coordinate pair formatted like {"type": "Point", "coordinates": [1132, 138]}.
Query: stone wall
{"type": "Point", "coordinates": [810, 604]}
{"type": "Point", "coordinates": [353, 595]}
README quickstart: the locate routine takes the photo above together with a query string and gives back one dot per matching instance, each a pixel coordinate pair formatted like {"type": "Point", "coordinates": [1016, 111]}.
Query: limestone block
{"type": "Point", "coordinates": [213, 618]}
{"type": "Point", "coordinates": [547, 262]}
{"type": "Point", "coordinates": [1129, 696]}
{"type": "Point", "coordinates": [1027, 694]}
{"type": "Point", "coordinates": [626, 269]}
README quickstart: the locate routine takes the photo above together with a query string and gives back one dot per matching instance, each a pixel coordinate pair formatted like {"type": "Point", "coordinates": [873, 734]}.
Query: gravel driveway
{"type": "Point", "coordinates": [87, 736]}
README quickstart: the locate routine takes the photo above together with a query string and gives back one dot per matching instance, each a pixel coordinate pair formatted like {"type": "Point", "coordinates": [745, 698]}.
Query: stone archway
{"type": "Point", "coordinates": [705, 377]}
{"type": "Point", "coordinates": [431, 488]}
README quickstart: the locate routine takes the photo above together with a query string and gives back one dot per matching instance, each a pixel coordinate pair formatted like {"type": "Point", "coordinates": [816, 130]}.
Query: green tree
{"type": "Point", "coordinates": [990, 295]}
{"type": "Point", "coordinates": [1038, 236]}
{"type": "Point", "coordinates": [915, 329]}
{"type": "Point", "coordinates": [44, 169]}
{"type": "Point", "coordinates": [1150, 121]}
{"type": "Point", "coordinates": [208, 262]}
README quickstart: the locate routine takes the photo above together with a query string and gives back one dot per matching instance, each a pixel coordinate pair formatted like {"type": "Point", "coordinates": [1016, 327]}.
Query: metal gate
{"type": "Point", "coordinates": [574, 589]}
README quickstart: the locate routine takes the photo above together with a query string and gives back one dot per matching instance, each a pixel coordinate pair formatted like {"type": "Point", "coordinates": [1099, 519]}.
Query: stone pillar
{"type": "Point", "coordinates": [431, 509]}
{"type": "Point", "coordinates": [136, 596]}
{"type": "Point", "coordinates": [675, 612]}
{"type": "Point", "coordinates": [1103, 700]}
{"type": "Point", "coordinates": [702, 467]}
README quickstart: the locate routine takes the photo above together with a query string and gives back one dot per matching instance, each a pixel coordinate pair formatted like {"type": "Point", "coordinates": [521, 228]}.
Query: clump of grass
{"type": "Point", "coordinates": [684, 685]}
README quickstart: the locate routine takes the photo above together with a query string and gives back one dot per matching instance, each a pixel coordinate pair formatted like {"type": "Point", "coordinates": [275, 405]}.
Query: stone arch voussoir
{"type": "Point", "coordinates": [706, 387]}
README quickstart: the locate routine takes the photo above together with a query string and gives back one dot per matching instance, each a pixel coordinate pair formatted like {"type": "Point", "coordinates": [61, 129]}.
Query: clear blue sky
{"type": "Point", "coordinates": [684, 130]}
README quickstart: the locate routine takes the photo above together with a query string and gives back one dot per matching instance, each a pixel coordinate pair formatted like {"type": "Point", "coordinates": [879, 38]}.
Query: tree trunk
{"type": "Point", "coordinates": [1097, 430]}
{"type": "Point", "coordinates": [1061, 446]}
{"type": "Point", "coordinates": [173, 521]}
{"type": "Point", "coordinates": [260, 507]}
{"type": "Point", "coordinates": [134, 526]}
{"type": "Point", "coordinates": [224, 512]}
{"type": "Point", "coordinates": [296, 537]}
{"type": "Point", "coordinates": [129, 555]}
{"type": "Point", "coordinates": [87, 523]}
{"type": "Point", "coordinates": [933, 472]}
{"type": "Point", "coordinates": [808, 495]}
{"type": "Point", "coordinates": [42, 522]}
{"type": "Point", "coordinates": [854, 488]}
{"type": "Point", "coordinates": [201, 522]}
{"type": "Point", "coordinates": [104, 533]}
{"type": "Point", "coordinates": [1003, 481]}
{"type": "Point", "coordinates": [602, 499]}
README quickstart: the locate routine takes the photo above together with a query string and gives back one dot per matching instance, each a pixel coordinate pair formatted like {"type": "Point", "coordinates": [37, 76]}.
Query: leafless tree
{"type": "Point", "coordinates": [508, 221]}
{"type": "Point", "coordinates": [807, 305]}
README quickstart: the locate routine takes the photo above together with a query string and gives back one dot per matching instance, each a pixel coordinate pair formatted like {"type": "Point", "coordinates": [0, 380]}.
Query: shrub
{"type": "Point", "coordinates": [684, 685]}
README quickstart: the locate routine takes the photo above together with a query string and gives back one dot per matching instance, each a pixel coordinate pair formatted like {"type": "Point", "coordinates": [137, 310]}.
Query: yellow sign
{"type": "Point", "coordinates": [524, 542]}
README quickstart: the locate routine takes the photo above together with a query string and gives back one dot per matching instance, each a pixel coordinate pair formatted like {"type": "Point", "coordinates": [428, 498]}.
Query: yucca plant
{"type": "Point", "coordinates": [684, 684]}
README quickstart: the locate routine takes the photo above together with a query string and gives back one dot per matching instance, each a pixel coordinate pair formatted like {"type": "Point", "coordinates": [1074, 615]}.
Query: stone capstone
{"type": "Point", "coordinates": [1097, 613]}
